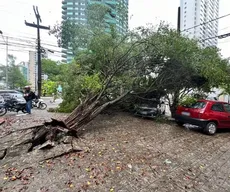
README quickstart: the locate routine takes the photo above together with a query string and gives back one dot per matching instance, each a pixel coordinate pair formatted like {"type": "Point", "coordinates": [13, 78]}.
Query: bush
{"type": "Point", "coordinates": [188, 101]}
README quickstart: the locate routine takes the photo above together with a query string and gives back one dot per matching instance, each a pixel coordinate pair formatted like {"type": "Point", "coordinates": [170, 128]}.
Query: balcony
{"type": "Point", "coordinates": [64, 7]}
{"type": "Point", "coordinates": [64, 17]}
{"type": "Point", "coordinates": [110, 21]}
{"type": "Point", "coordinates": [111, 2]}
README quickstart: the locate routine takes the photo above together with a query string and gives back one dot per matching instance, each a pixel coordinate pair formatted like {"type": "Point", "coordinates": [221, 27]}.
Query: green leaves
{"type": "Point", "coordinates": [144, 60]}
{"type": "Point", "coordinates": [92, 83]}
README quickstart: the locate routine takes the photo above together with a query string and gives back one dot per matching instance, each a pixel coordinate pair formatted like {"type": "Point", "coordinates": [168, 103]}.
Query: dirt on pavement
{"type": "Point", "coordinates": [122, 153]}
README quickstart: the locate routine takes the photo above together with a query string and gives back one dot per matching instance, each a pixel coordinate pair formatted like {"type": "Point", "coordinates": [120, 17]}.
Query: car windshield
{"type": "Point", "coordinates": [198, 105]}
{"type": "Point", "coordinates": [227, 107]}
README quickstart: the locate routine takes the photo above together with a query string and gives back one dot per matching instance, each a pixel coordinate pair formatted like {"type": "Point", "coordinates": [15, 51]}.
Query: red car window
{"type": "Point", "coordinates": [199, 105]}
{"type": "Point", "coordinates": [217, 107]}
{"type": "Point", "coordinates": [227, 107]}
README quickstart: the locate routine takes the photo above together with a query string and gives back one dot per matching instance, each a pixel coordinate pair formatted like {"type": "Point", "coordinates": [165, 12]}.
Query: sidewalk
{"type": "Point", "coordinates": [2, 120]}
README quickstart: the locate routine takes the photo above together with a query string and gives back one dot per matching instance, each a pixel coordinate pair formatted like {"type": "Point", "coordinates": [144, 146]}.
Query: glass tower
{"type": "Point", "coordinates": [75, 10]}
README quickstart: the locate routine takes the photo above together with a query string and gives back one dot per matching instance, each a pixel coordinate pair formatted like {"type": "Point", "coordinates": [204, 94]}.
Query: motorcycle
{"type": "Point", "coordinates": [39, 103]}
{"type": "Point", "coordinates": [12, 105]}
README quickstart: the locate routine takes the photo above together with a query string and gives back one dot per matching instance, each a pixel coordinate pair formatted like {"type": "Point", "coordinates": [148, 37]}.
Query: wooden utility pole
{"type": "Point", "coordinates": [38, 26]}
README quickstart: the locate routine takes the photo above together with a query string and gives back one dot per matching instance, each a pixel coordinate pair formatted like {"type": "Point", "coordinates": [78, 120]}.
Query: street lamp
{"type": "Point", "coordinates": [6, 41]}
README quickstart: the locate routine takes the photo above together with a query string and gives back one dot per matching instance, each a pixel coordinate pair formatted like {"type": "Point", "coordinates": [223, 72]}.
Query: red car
{"type": "Point", "coordinates": [206, 114]}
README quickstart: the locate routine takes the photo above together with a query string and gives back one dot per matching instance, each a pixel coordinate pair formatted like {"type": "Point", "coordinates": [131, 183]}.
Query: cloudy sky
{"type": "Point", "coordinates": [13, 13]}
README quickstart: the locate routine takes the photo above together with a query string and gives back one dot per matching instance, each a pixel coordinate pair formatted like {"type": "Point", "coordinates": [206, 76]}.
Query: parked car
{"type": "Point", "coordinates": [12, 94]}
{"type": "Point", "coordinates": [153, 109]}
{"type": "Point", "coordinates": [207, 114]}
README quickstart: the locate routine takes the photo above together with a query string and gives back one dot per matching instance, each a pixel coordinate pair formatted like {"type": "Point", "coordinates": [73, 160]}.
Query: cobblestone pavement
{"type": "Point", "coordinates": [127, 154]}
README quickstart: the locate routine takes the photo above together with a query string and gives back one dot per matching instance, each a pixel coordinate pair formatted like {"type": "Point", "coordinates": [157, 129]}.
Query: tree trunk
{"type": "Point", "coordinates": [174, 104]}
{"type": "Point", "coordinates": [50, 134]}
{"type": "Point", "coordinates": [87, 111]}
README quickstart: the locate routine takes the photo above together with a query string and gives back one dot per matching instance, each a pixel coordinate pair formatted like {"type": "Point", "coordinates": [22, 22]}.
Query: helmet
{"type": "Point", "coordinates": [27, 87]}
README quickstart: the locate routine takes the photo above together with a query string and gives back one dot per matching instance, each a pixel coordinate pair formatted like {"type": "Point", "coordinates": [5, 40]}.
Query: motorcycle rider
{"type": "Point", "coordinates": [29, 96]}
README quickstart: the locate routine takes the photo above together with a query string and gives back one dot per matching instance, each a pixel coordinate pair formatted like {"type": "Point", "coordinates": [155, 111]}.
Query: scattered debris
{"type": "Point", "coordinates": [167, 161]}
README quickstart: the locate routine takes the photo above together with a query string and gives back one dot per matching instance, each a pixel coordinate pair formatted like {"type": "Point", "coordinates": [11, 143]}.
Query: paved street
{"type": "Point", "coordinates": [126, 154]}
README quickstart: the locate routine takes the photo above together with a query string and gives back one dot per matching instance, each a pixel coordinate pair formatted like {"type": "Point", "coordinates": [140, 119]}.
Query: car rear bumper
{"type": "Point", "coordinates": [146, 114]}
{"type": "Point", "coordinates": [192, 121]}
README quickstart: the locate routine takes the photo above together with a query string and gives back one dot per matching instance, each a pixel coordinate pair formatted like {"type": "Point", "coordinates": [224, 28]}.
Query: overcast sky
{"type": "Point", "coordinates": [14, 12]}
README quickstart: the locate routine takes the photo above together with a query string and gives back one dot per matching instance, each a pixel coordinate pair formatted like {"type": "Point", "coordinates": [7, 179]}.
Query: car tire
{"type": "Point", "coordinates": [210, 128]}
{"type": "Point", "coordinates": [179, 123]}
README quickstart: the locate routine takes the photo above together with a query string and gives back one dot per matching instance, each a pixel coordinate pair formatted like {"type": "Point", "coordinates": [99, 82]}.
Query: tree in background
{"type": "Point", "coordinates": [183, 65]}
{"type": "Point", "coordinates": [49, 87]}
{"type": "Point", "coordinates": [55, 73]}
{"type": "Point", "coordinates": [15, 77]}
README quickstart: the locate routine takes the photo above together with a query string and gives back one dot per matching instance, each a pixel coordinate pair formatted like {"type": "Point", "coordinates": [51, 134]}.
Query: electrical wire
{"type": "Point", "coordinates": [204, 23]}
{"type": "Point", "coordinates": [217, 36]}
{"type": "Point", "coordinates": [33, 40]}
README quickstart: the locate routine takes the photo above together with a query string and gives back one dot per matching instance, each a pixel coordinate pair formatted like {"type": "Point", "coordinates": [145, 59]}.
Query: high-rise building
{"type": "Point", "coordinates": [196, 12]}
{"type": "Point", "coordinates": [75, 10]}
{"type": "Point", "coordinates": [32, 78]}
{"type": "Point", "coordinates": [23, 67]}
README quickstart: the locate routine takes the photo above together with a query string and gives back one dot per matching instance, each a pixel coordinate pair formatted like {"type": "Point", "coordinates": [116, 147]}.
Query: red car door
{"type": "Point", "coordinates": [227, 109]}
{"type": "Point", "coordinates": [219, 113]}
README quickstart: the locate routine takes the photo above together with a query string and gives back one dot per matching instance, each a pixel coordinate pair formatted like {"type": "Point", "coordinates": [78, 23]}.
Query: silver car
{"type": "Point", "coordinates": [12, 94]}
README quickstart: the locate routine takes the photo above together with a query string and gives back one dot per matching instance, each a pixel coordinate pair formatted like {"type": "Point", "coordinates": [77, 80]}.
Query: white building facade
{"type": "Point", "coordinates": [32, 70]}
{"type": "Point", "coordinates": [195, 12]}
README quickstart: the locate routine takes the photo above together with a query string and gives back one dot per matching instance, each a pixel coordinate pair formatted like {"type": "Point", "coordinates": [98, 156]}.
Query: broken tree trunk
{"type": "Point", "coordinates": [87, 111]}
{"type": "Point", "coordinates": [51, 133]}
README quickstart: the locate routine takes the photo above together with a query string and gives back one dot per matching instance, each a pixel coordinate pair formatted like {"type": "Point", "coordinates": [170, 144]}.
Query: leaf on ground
{"type": "Point", "coordinates": [130, 166]}
{"type": "Point", "coordinates": [87, 169]}
{"type": "Point", "coordinates": [71, 185]}
{"type": "Point", "coordinates": [13, 178]}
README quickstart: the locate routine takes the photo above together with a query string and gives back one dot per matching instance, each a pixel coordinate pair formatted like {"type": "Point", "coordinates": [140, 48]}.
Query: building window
{"type": "Point", "coordinates": [69, 3]}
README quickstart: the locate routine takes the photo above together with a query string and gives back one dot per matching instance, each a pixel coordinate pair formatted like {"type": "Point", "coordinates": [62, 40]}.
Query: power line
{"type": "Point", "coordinates": [32, 40]}
{"type": "Point", "coordinates": [217, 36]}
{"type": "Point", "coordinates": [206, 22]}
{"type": "Point", "coordinates": [15, 44]}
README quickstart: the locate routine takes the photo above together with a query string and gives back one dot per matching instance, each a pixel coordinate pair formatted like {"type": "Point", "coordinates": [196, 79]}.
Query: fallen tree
{"type": "Point", "coordinates": [111, 67]}
{"type": "Point", "coordinates": [101, 76]}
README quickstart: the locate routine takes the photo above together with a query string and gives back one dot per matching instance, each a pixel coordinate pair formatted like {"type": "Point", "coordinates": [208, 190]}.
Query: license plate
{"type": "Point", "coordinates": [144, 113]}
{"type": "Point", "coordinates": [185, 113]}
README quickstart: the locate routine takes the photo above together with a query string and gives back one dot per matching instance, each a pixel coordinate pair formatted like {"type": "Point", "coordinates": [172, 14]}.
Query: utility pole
{"type": "Point", "coordinates": [178, 20]}
{"type": "Point", "coordinates": [38, 26]}
{"type": "Point", "coordinates": [6, 41]}
{"type": "Point", "coordinates": [7, 63]}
